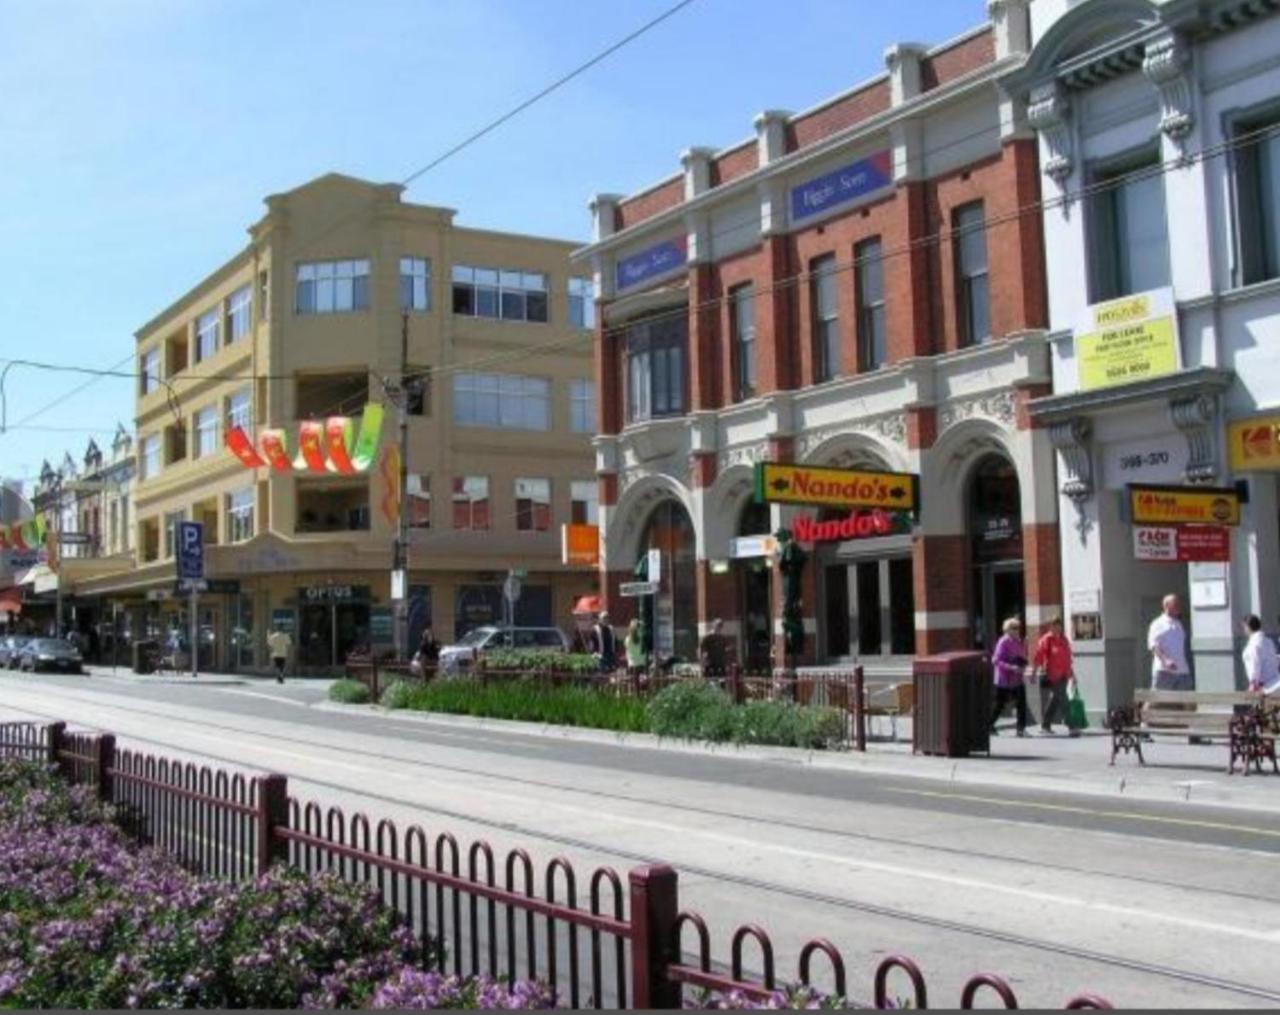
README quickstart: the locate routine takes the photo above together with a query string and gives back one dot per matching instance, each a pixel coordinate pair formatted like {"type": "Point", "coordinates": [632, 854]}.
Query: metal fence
{"type": "Point", "coordinates": [606, 941]}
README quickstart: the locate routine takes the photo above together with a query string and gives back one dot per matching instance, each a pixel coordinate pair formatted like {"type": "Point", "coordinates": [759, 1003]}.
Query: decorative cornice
{"type": "Point", "coordinates": [1049, 112]}
{"type": "Point", "coordinates": [891, 427]}
{"type": "Point", "coordinates": [1165, 63]}
{"type": "Point", "coordinates": [744, 454]}
{"type": "Point", "coordinates": [1071, 439]}
{"type": "Point", "coordinates": [1197, 418]}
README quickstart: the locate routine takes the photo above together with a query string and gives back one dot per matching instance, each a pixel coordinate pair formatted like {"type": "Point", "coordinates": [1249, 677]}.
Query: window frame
{"type": "Point", "coordinates": [239, 307]}
{"type": "Point", "coordinates": [498, 289]}
{"type": "Point", "coordinates": [651, 351]}
{"type": "Point", "coordinates": [1256, 241]}
{"type": "Point", "coordinates": [742, 302]}
{"type": "Point", "coordinates": [531, 512]}
{"type": "Point", "coordinates": [583, 413]}
{"type": "Point", "coordinates": [584, 300]}
{"type": "Point", "coordinates": [208, 326]}
{"type": "Point", "coordinates": [591, 515]}
{"type": "Point", "coordinates": [871, 314]}
{"type": "Point", "coordinates": [502, 394]}
{"type": "Point", "coordinates": [412, 306]}
{"type": "Point", "coordinates": [416, 497]}
{"type": "Point", "coordinates": [236, 514]}
{"type": "Point", "coordinates": [968, 280]}
{"type": "Point", "coordinates": [1106, 264]}
{"type": "Point", "coordinates": [210, 415]}
{"type": "Point", "coordinates": [147, 380]}
{"type": "Point", "coordinates": [150, 447]}
{"type": "Point", "coordinates": [359, 286]}
{"type": "Point", "coordinates": [459, 494]}
{"type": "Point", "coordinates": [824, 329]}
{"type": "Point", "coordinates": [229, 413]}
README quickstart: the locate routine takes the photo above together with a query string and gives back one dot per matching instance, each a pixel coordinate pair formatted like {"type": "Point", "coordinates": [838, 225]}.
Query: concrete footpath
{"type": "Point", "coordinates": [1175, 771]}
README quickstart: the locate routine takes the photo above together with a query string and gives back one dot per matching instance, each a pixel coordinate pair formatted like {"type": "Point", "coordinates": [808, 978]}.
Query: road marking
{"type": "Point", "coordinates": [1221, 826]}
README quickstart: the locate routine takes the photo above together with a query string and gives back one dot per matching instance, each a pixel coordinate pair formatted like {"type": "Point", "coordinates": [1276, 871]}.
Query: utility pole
{"type": "Point", "coordinates": [57, 549]}
{"type": "Point", "coordinates": [400, 557]}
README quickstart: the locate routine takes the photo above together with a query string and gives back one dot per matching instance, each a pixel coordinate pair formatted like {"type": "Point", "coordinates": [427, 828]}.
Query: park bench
{"type": "Point", "coordinates": [1247, 722]}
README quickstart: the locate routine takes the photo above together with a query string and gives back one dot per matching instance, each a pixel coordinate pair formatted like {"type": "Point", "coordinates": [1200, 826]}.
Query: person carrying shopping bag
{"type": "Point", "coordinates": [1054, 661]}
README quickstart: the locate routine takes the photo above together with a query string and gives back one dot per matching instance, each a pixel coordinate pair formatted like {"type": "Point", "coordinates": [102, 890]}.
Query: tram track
{"type": "Point", "coordinates": [774, 888]}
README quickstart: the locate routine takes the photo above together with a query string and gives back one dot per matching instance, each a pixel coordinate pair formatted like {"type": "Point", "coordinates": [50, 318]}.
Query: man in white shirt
{"type": "Point", "coordinates": [1167, 642]}
{"type": "Point", "coordinates": [1261, 664]}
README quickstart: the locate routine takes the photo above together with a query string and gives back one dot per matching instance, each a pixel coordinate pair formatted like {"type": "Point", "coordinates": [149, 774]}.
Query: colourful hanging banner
{"type": "Point", "coordinates": [310, 457]}
{"type": "Point", "coordinates": [242, 447]}
{"type": "Point", "coordinates": [275, 449]}
{"type": "Point", "coordinates": [389, 472]}
{"type": "Point", "coordinates": [337, 441]}
{"type": "Point", "coordinates": [366, 449]}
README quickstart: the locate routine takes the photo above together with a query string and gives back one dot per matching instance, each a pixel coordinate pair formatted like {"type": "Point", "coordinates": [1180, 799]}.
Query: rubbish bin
{"type": "Point", "coordinates": [952, 704]}
{"type": "Point", "coordinates": [144, 652]}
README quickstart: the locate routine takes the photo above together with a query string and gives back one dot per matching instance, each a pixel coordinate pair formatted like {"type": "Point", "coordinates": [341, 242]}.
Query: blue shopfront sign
{"type": "Point", "coordinates": [190, 550]}
{"type": "Point", "coordinates": [652, 262]}
{"type": "Point", "coordinates": [840, 185]}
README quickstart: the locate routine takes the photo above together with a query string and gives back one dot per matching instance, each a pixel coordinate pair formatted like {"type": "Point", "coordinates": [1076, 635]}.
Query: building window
{"type": "Point", "coordinates": [149, 456]}
{"type": "Point", "coordinates": [870, 608]}
{"type": "Point", "coordinates": [332, 287]}
{"type": "Point", "coordinates": [240, 515]}
{"type": "Point", "coordinates": [742, 320]}
{"type": "Point", "coordinates": [207, 327]}
{"type": "Point", "coordinates": [415, 283]}
{"type": "Point", "coordinates": [206, 428]}
{"type": "Point", "coordinates": [499, 293]}
{"type": "Point", "coordinates": [1130, 234]}
{"type": "Point", "coordinates": [113, 516]}
{"type": "Point", "coordinates": [656, 367]}
{"type": "Point", "coordinates": [582, 304]}
{"type": "Point", "coordinates": [502, 401]}
{"type": "Point", "coordinates": [240, 411]}
{"type": "Point", "coordinates": [1258, 200]}
{"type": "Point", "coordinates": [582, 406]}
{"type": "Point", "coordinates": [533, 505]}
{"type": "Point", "coordinates": [826, 318]}
{"type": "Point", "coordinates": [418, 487]}
{"type": "Point", "coordinates": [239, 313]}
{"type": "Point", "coordinates": [970, 228]}
{"type": "Point", "coordinates": [171, 520]}
{"type": "Point", "coordinates": [471, 502]}
{"type": "Point", "coordinates": [873, 343]}
{"type": "Point", "coordinates": [149, 371]}
{"type": "Point", "coordinates": [124, 521]}
{"type": "Point", "coordinates": [332, 507]}
{"type": "Point", "coordinates": [584, 502]}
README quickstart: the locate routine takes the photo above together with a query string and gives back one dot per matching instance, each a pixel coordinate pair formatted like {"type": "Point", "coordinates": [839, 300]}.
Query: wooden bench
{"type": "Point", "coordinates": [1247, 722]}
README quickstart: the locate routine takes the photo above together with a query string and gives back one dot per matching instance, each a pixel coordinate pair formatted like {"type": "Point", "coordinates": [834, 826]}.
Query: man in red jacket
{"type": "Point", "coordinates": [1053, 659]}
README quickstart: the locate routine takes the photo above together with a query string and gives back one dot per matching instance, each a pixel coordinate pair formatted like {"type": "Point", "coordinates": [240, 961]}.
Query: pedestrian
{"type": "Point", "coordinates": [713, 653]}
{"type": "Point", "coordinates": [280, 645]}
{"type": "Point", "coordinates": [606, 644]}
{"type": "Point", "coordinates": [1167, 643]}
{"type": "Point", "coordinates": [637, 658]}
{"type": "Point", "coordinates": [1054, 661]}
{"type": "Point", "coordinates": [1261, 663]}
{"type": "Point", "coordinates": [577, 643]}
{"type": "Point", "coordinates": [1010, 663]}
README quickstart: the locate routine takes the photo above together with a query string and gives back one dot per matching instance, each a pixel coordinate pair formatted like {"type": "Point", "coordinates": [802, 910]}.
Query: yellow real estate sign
{"type": "Point", "coordinates": [1174, 505]}
{"type": "Point", "coordinates": [1126, 340]}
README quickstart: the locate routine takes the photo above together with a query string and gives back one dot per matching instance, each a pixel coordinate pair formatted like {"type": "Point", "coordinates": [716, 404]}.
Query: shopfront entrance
{"type": "Point", "coordinates": [998, 588]}
{"type": "Point", "coordinates": [333, 622]}
{"type": "Point", "coordinates": [674, 622]}
{"type": "Point", "coordinates": [755, 593]}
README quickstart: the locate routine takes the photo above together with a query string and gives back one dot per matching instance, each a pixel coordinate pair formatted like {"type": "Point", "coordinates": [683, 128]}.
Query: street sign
{"type": "Point", "coordinates": [1184, 505]}
{"type": "Point", "coordinates": [1178, 544]}
{"type": "Point", "coordinates": [746, 547]}
{"type": "Point", "coordinates": [74, 538]}
{"type": "Point", "coordinates": [398, 585]}
{"type": "Point", "coordinates": [511, 588]}
{"type": "Point", "coordinates": [632, 589]}
{"type": "Point", "coordinates": [190, 537]}
{"type": "Point", "coordinates": [192, 585]}
{"type": "Point", "coordinates": [847, 488]}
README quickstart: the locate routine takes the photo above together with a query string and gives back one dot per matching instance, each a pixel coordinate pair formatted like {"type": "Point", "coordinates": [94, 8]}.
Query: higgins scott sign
{"type": "Point", "coordinates": [859, 525]}
{"type": "Point", "coordinates": [847, 488]}
{"type": "Point", "coordinates": [652, 262]}
{"type": "Point", "coordinates": [1129, 339]}
{"type": "Point", "coordinates": [840, 185]}
{"type": "Point", "coordinates": [1182, 505]}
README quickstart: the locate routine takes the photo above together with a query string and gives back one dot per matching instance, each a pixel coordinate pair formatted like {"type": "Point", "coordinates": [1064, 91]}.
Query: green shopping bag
{"type": "Point", "coordinates": [1077, 717]}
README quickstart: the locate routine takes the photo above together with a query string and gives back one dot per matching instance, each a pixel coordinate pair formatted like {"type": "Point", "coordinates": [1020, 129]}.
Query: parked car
{"type": "Point", "coordinates": [11, 648]}
{"type": "Point", "coordinates": [56, 654]}
{"type": "Point", "coordinates": [482, 640]}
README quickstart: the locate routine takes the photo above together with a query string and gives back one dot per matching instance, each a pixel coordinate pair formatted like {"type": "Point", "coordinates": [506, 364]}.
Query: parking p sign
{"type": "Point", "coordinates": [190, 537]}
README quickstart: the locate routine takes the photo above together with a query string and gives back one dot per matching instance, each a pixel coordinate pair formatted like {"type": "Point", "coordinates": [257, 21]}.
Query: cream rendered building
{"type": "Point", "coordinates": [305, 323]}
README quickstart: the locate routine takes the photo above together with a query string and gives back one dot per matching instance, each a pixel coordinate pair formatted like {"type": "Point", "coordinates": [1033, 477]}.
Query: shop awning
{"type": "Point", "coordinates": [11, 601]}
{"type": "Point", "coordinates": [587, 604]}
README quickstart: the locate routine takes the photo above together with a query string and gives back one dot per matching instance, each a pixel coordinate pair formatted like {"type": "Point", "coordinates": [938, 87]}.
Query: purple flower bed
{"type": "Point", "coordinates": [87, 920]}
{"type": "Point", "coordinates": [796, 996]}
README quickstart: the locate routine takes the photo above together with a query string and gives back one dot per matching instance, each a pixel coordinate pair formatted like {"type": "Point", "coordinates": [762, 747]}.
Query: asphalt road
{"type": "Point", "coordinates": [1147, 904]}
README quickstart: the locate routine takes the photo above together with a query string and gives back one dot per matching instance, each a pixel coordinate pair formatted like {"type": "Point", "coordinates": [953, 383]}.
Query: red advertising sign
{"type": "Point", "coordinates": [1182, 544]}
{"type": "Point", "coordinates": [858, 525]}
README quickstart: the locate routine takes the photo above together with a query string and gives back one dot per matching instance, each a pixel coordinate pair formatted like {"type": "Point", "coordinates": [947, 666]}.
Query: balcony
{"type": "Point", "coordinates": [326, 507]}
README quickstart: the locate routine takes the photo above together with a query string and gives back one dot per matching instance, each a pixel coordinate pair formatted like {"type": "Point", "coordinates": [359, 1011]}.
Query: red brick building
{"type": "Point", "coordinates": [859, 285]}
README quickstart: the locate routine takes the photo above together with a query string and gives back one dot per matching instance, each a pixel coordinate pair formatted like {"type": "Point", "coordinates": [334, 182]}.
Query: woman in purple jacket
{"type": "Point", "coordinates": [1009, 661]}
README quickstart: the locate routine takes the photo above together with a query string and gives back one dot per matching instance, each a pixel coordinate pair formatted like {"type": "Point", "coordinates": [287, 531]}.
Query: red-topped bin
{"type": "Point", "coordinates": [952, 704]}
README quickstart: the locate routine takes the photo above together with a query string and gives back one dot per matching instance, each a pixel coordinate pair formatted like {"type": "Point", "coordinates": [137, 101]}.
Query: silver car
{"type": "Point", "coordinates": [53, 654]}
{"type": "Point", "coordinates": [460, 656]}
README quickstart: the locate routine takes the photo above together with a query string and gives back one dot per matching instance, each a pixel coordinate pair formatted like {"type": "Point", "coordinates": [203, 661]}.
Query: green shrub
{"type": "Point", "coordinates": [531, 700]}
{"type": "Point", "coordinates": [349, 692]}
{"type": "Point", "coordinates": [397, 695]}
{"type": "Point", "coordinates": [541, 660]}
{"type": "Point", "coordinates": [786, 724]}
{"type": "Point", "coordinates": [694, 710]}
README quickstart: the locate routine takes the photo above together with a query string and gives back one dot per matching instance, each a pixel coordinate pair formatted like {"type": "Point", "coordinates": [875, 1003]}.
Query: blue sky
{"type": "Point", "coordinates": [138, 137]}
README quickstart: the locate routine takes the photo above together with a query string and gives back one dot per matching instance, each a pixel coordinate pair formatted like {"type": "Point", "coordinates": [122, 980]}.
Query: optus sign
{"type": "Point", "coordinates": [859, 525]}
{"type": "Point", "coordinates": [840, 488]}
